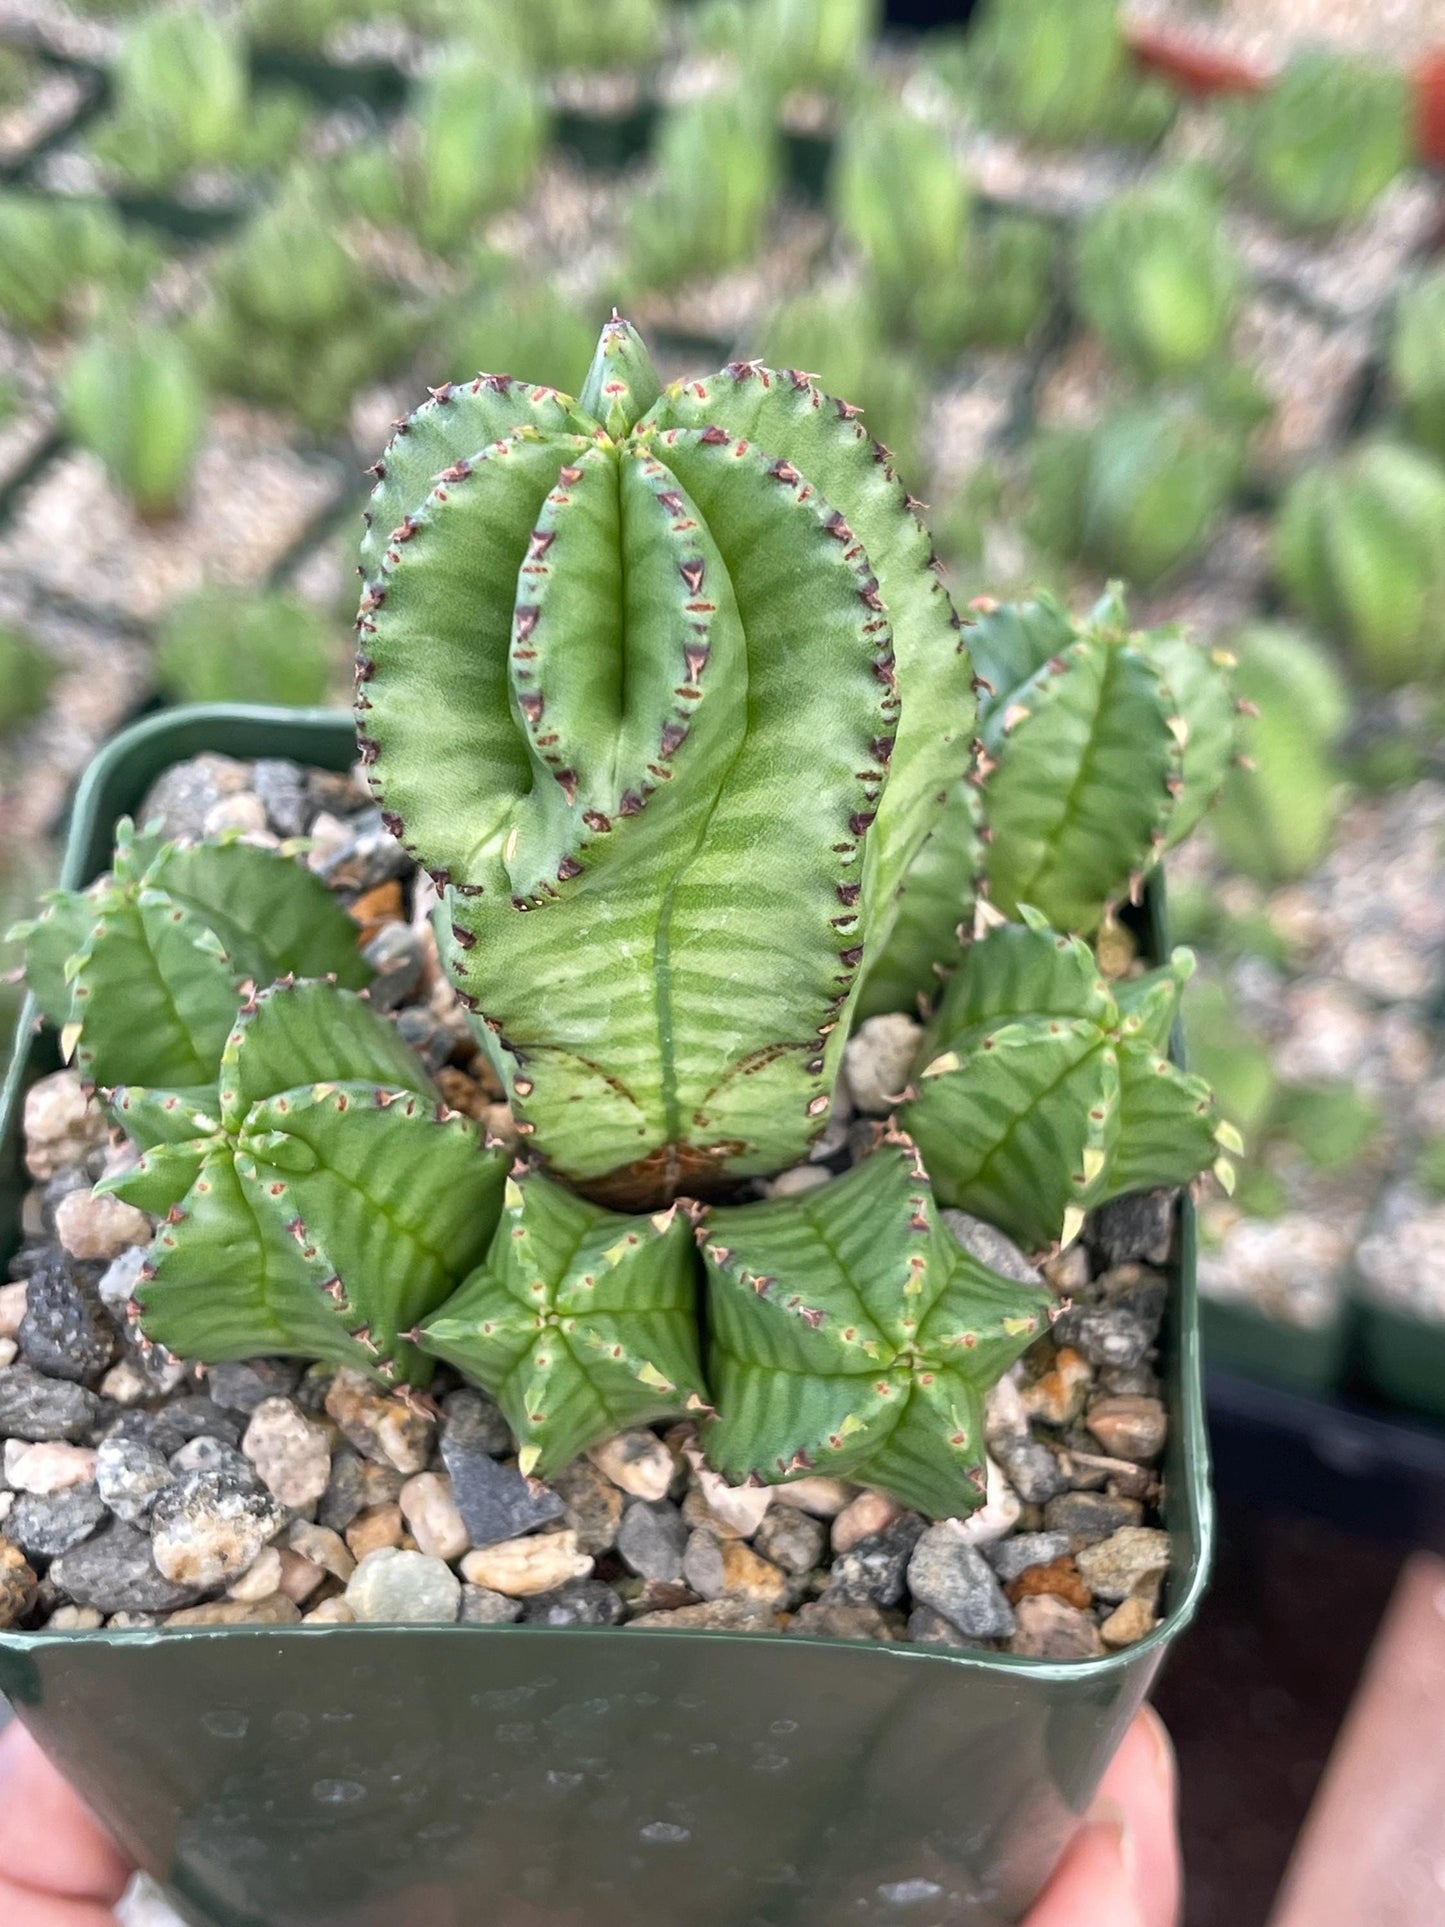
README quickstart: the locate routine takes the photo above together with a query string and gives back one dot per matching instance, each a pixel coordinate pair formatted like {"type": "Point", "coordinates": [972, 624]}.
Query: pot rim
{"type": "Point", "coordinates": [1190, 1519]}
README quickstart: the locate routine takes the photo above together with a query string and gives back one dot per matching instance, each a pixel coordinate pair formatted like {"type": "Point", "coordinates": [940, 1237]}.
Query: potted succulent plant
{"type": "Point", "coordinates": [660, 689]}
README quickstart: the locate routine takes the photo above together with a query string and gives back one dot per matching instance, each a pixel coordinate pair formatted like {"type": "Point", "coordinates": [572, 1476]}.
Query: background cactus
{"type": "Point", "coordinates": [1417, 360]}
{"type": "Point", "coordinates": [720, 832]}
{"type": "Point", "coordinates": [1156, 277]}
{"type": "Point", "coordinates": [145, 970]}
{"type": "Point", "coordinates": [1360, 546]}
{"type": "Point", "coordinates": [580, 1322]}
{"type": "Point", "coordinates": [1323, 143]}
{"type": "Point", "coordinates": [812, 44]}
{"type": "Point", "coordinates": [52, 251]}
{"type": "Point", "coordinates": [223, 646]}
{"type": "Point", "coordinates": [510, 321]}
{"type": "Point", "coordinates": [132, 396]}
{"type": "Point", "coordinates": [719, 170]}
{"type": "Point", "coordinates": [851, 1335]}
{"type": "Point", "coordinates": [480, 131]}
{"type": "Point", "coordinates": [317, 1200]}
{"type": "Point", "coordinates": [27, 672]}
{"type": "Point", "coordinates": [1059, 70]}
{"type": "Point", "coordinates": [1042, 1091]}
{"type": "Point", "coordinates": [839, 337]}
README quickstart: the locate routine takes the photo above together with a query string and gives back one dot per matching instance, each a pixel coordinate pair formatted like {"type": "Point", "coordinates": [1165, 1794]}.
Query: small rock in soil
{"type": "Point", "coordinates": [62, 1126]}
{"type": "Point", "coordinates": [430, 1510]}
{"type": "Point", "coordinates": [331, 1612]}
{"type": "Point", "coordinates": [281, 786]}
{"type": "Point", "coordinates": [196, 1417]}
{"type": "Point", "coordinates": [832, 1617]}
{"type": "Point", "coordinates": [585, 1602]}
{"type": "Point", "coordinates": [378, 1526]}
{"type": "Point", "coordinates": [44, 1525]}
{"type": "Point", "coordinates": [638, 1462]}
{"type": "Point", "coordinates": [714, 1567]}
{"type": "Point", "coordinates": [481, 1607]}
{"type": "Point", "coordinates": [591, 1505]}
{"type": "Point", "coordinates": [653, 1538]}
{"type": "Point", "coordinates": [48, 1465]}
{"type": "Point", "coordinates": [356, 1484]}
{"type": "Point", "coordinates": [1137, 1226]}
{"type": "Point", "coordinates": [823, 1498]}
{"type": "Point", "coordinates": [1088, 1517]}
{"type": "Point", "coordinates": [75, 1619]}
{"type": "Point", "coordinates": [522, 1568]}
{"type": "Point", "coordinates": [1057, 1396]}
{"type": "Point", "coordinates": [278, 1610]}
{"type": "Point", "coordinates": [183, 794]}
{"type": "Point", "coordinates": [1012, 1556]}
{"type": "Point", "coordinates": [1129, 1622]}
{"type": "Point", "coordinates": [493, 1498]}
{"type": "Point", "coordinates": [1032, 1469]}
{"type": "Point", "coordinates": [735, 1509]}
{"type": "Point", "coordinates": [97, 1227]}
{"type": "Point", "coordinates": [370, 855]}
{"type": "Point", "coordinates": [118, 1281]}
{"type": "Point", "coordinates": [1131, 1563]}
{"type": "Point", "coordinates": [114, 1570]}
{"type": "Point", "coordinates": [322, 1547]}
{"type": "Point", "coordinates": [791, 1539]}
{"type": "Point", "coordinates": [209, 1526]}
{"type": "Point", "coordinates": [955, 1579]}
{"type": "Point", "coordinates": [397, 953]}
{"type": "Point", "coordinates": [394, 1586]}
{"type": "Point", "coordinates": [427, 1034]}
{"type": "Point", "coordinates": [870, 1513]}
{"type": "Point", "coordinates": [875, 1569]}
{"type": "Point", "coordinates": [928, 1628]}
{"type": "Point", "coordinates": [260, 1579]}
{"type": "Point", "coordinates": [1050, 1628]}
{"type": "Point", "coordinates": [17, 1584]}
{"type": "Point", "coordinates": [1060, 1577]}
{"type": "Point", "coordinates": [473, 1422]}
{"type": "Point", "coordinates": [716, 1615]}
{"type": "Point", "coordinates": [35, 1407]}
{"type": "Point", "coordinates": [1129, 1427]}
{"type": "Point", "coordinates": [241, 1387]}
{"type": "Point", "coordinates": [991, 1247]}
{"type": "Point", "coordinates": [1119, 1321]}
{"type": "Point", "coordinates": [65, 1331]}
{"type": "Point", "coordinates": [12, 1307]}
{"type": "Point", "coordinates": [290, 1452]}
{"type": "Point", "coordinates": [205, 1454]}
{"type": "Point", "coordinates": [877, 1060]}
{"type": "Point", "coordinates": [379, 1425]}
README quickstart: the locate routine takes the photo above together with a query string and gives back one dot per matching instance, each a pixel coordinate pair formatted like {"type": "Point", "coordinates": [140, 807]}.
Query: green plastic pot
{"type": "Point", "coordinates": [371, 1776]}
{"type": "Point", "coordinates": [1403, 1357]}
{"type": "Point", "coordinates": [1301, 1358]}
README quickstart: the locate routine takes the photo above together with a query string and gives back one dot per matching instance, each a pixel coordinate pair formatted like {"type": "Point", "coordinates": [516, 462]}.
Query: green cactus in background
{"type": "Point", "coordinates": [222, 646]}
{"type": "Point", "coordinates": [1009, 280]}
{"type": "Point", "coordinates": [573, 35]}
{"type": "Point", "coordinates": [27, 672]}
{"type": "Point", "coordinates": [1156, 277]}
{"type": "Point", "coordinates": [902, 199]}
{"type": "Point", "coordinates": [1417, 360]}
{"type": "Point", "coordinates": [1278, 807]}
{"type": "Point", "coordinates": [510, 320]}
{"type": "Point", "coordinates": [1042, 1091]}
{"type": "Point", "coordinates": [131, 395]}
{"type": "Point", "coordinates": [1231, 1055]}
{"type": "Point", "coordinates": [719, 171]}
{"type": "Point", "coordinates": [1324, 142]}
{"type": "Point", "coordinates": [661, 682]}
{"type": "Point", "coordinates": [144, 971]}
{"type": "Point", "coordinates": [851, 1335]}
{"type": "Point", "coordinates": [1058, 71]}
{"type": "Point", "coordinates": [813, 44]}
{"type": "Point", "coordinates": [1360, 546]}
{"type": "Point", "coordinates": [182, 99]}
{"type": "Point", "coordinates": [837, 337]}
{"type": "Point", "coordinates": [480, 132]}
{"type": "Point", "coordinates": [53, 250]}
{"type": "Point", "coordinates": [580, 1322]}
{"type": "Point", "coordinates": [1141, 492]}
{"type": "Point", "coordinates": [316, 1200]}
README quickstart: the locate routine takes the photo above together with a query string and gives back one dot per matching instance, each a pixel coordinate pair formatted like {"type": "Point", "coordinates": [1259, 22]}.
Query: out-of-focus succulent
{"type": "Point", "coordinates": [479, 135]}
{"type": "Point", "coordinates": [1008, 287]}
{"type": "Point", "coordinates": [52, 248]}
{"type": "Point", "coordinates": [817, 45]}
{"type": "Point", "coordinates": [1279, 806]}
{"type": "Point", "coordinates": [513, 321]}
{"type": "Point", "coordinates": [718, 175]}
{"type": "Point", "coordinates": [573, 35]}
{"type": "Point", "coordinates": [18, 76]}
{"type": "Point", "coordinates": [1231, 1055]}
{"type": "Point", "coordinates": [1043, 1091]}
{"type": "Point", "coordinates": [580, 1321]}
{"type": "Point", "coordinates": [903, 201]}
{"type": "Point", "coordinates": [836, 336]}
{"type": "Point", "coordinates": [661, 683]}
{"type": "Point", "coordinates": [1157, 277]}
{"type": "Point", "coordinates": [221, 646]}
{"type": "Point", "coordinates": [1141, 492]}
{"type": "Point", "coordinates": [1059, 71]}
{"type": "Point", "coordinates": [132, 396]}
{"type": "Point", "coordinates": [1323, 143]}
{"type": "Point", "coordinates": [317, 1199]}
{"type": "Point", "coordinates": [26, 674]}
{"type": "Point", "coordinates": [1360, 546]}
{"type": "Point", "coordinates": [851, 1335]}
{"type": "Point", "coordinates": [144, 971]}
{"type": "Point", "coordinates": [182, 99]}
{"type": "Point", "coordinates": [1417, 359]}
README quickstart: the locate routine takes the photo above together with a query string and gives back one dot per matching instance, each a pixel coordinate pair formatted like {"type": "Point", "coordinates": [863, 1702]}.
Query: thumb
{"type": "Point", "coordinates": [1095, 1883]}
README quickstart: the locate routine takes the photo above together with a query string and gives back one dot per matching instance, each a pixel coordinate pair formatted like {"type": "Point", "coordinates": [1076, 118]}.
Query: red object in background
{"type": "Point", "coordinates": [1197, 68]}
{"type": "Point", "coordinates": [1430, 108]}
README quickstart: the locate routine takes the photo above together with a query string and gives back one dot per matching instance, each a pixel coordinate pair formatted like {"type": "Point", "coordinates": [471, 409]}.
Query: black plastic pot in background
{"type": "Point", "coordinates": [364, 1776]}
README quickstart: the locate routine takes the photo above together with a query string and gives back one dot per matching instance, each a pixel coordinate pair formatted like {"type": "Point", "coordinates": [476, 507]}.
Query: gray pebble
{"type": "Point", "coordinates": [114, 1570]}
{"type": "Point", "coordinates": [65, 1331]}
{"type": "Point", "coordinates": [592, 1505]}
{"type": "Point", "coordinates": [495, 1501]}
{"type": "Point", "coordinates": [355, 1485]}
{"type": "Point", "coordinates": [832, 1617]}
{"type": "Point", "coordinates": [182, 796]}
{"type": "Point", "coordinates": [791, 1538]}
{"type": "Point", "coordinates": [991, 1247]}
{"type": "Point", "coordinates": [955, 1579]}
{"type": "Point", "coordinates": [195, 1416]}
{"type": "Point", "coordinates": [129, 1475]}
{"type": "Point", "coordinates": [928, 1628]}
{"type": "Point", "coordinates": [1032, 1469]}
{"type": "Point", "coordinates": [653, 1538]}
{"type": "Point", "coordinates": [44, 1525]}
{"type": "Point", "coordinates": [241, 1386]}
{"type": "Point", "coordinates": [392, 1586]}
{"type": "Point", "coordinates": [117, 1283]}
{"type": "Point", "coordinates": [1118, 1322]}
{"type": "Point", "coordinates": [371, 856]}
{"type": "Point", "coordinates": [205, 1454]}
{"type": "Point", "coordinates": [1010, 1557]}
{"type": "Point", "coordinates": [281, 786]}
{"type": "Point", "coordinates": [1136, 1227]}
{"type": "Point", "coordinates": [35, 1407]}
{"type": "Point", "coordinates": [427, 1035]}
{"type": "Point", "coordinates": [398, 956]}
{"type": "Point", "coordinates": [875, 1569]}
{"type": "Point", "coordinates": [483, 1607]}
{"type": "Point", "coordinates": [1087, 1517]}
{"type": "Point", "coordinates": [582, 1602]}
{"type": "Point", "coordinates": [475, 1423]}
{"type": "Point", "coordinates": [209, 1526]}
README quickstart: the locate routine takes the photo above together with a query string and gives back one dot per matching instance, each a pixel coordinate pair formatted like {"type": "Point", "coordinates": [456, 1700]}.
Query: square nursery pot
{"type": "Point", "coordinates": [1402, 1357]}
{"type": "Point", "coordinates": [365, 1776]}
{"type": "Point", "coordinates": [1301, 1358]}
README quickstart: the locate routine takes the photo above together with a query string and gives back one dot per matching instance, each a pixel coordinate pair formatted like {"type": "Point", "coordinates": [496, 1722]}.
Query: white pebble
{"type": "Point", "coordinates": [47, 1467]}
{"type": "Point", "coordinates": [430, 1510]}
{"type": "Point", "coordinates": [877, 1061]}
{"type": "Point", "coordinates": [638, 1462]}
{"type": "Point", "coordinates": [521, 1568]}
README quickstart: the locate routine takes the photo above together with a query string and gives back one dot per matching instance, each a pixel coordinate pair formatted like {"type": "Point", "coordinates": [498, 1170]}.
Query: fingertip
{"type": "Point", "coordinates": [1095, 1879]}
{"type": "Point", "coordinates": [49, 1843]}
